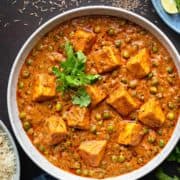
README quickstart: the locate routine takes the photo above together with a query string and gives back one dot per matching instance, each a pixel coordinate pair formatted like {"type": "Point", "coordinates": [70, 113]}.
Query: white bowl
{"type": "Point", "coordinates": [23, 139]}
{"type": "Point", "coordinates": [16, 176]}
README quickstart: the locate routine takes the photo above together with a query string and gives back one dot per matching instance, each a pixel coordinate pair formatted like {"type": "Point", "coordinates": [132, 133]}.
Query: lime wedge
{"type": "Point", "coordinates": [169, 6]}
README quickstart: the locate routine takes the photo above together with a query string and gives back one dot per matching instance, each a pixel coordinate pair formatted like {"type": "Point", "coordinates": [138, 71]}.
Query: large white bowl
{"type": "Point", "coordinates": [13, 78]}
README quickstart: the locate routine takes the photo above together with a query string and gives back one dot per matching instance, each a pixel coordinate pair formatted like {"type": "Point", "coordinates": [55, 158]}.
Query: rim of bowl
{"type": "Point", "coordinates": [16, 176]}
{"type": "Point", "coordinates": [21, 136]}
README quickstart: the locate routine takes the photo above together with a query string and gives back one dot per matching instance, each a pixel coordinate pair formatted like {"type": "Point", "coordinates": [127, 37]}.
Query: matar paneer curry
{"type": "Point", "coordinates": [99, 96]}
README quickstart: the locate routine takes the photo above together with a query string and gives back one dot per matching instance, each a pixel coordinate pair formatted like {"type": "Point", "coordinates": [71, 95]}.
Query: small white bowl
{"type": "Point", "coordinates": [16, 176]}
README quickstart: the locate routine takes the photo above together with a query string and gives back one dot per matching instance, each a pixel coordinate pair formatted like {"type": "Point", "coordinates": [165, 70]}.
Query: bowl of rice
{"type": "Point", "coordinates": [9, 157]}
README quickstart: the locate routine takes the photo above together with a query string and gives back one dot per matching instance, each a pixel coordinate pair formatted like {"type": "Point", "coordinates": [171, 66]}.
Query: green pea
{"type": "Point", "coordinates": [124, 80]}
{"type": "Point", "coordinates": [118, 43]}
{"type": "Point", "coordinates": [58, 106]}
{"type": "Point", "coordinates": [85, 172]}
{"type": "Point", "coordinates": [150, 75]}
{"type": "Point", "coordinates": [34, 52]}
{"type": "Point", "coordinates": [153, 90]}
{"type": "Point", "coordinates": [40, 47]}
{"type": "Point", "coordinates": [114, 158]}
{"type": "Point", "coordinates": [61, 33]}
{"type": "Point", "coordinates": [170, 80]}
{"type": "Point", "coordinates": [93, 129]}
{"type": "Point", "coordinates": [21, 85]}
{"type": "Point", "coordinates": [110, 128]}
{"type": "Point", "coordinates": [122, 22]}
{"type": "Point", "coordinates": [29, 62]}
{"type": "Point", "coordinates": [50, 48]}
{"type": "Point", "coordinates": [111, 32]}
{"type": "Point", "coordinates": [121, 158]}
{"type": "Point", "coordinates": [155, 81]}
{"type": "Point", "coordinates": [154, 49]}
{"type": "Point", "coordinates": [98, 116]}
{"type": "Point", "coordinates": [171, 105]}
{"type": "Point", "coordinates": [68, 143]}
{"type": "Point", "coordinates": [143, 32]}
{"type": "Point", "coordinates": [25, 74]}
{"type": "Point", "coordinates": [155, 63]}
{"type": "Point", "coordinates": [42, 148]}
{"type": "Point", "coordinates": [106, 115]}
{"type": "Point", "coordinates": [169, 70]}
{"type": "Point", "coordinates": [145, 130]}
{"type": "Point", "coordinates": [160, 132]}
{"type": "Point", "coordinates": [56, 38]}
{"type": "Point", "coordinates": [22, 115]}
{"type": "Point", "coordinates": [71, 34]}
{"type": "Point", "coordinates": [151, 139]}
{"type": "Point", "coordinates": [171, 116]}
{"type": "Point", "coordinates": [100, 123]}
{"type": "Point", "coordinates": [27, 125]}
{"type": "Point", "coordinates": [161, 143]}
{"type": "Point", "coordinates": [126, 54]}
{"type": "Point", "coordinates": [133, 84]}
{"type": "Point", "coordinates": [78, 171]}
{"type": "Point", "coordinates": [97, 29]}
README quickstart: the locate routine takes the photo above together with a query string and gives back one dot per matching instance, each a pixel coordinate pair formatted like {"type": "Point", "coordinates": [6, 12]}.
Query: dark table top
{"type": "Point", "coordinates": [18, 23]}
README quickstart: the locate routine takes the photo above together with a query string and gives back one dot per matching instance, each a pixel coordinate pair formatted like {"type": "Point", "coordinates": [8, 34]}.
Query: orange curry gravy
{"type": "Point", "coordinates": [119, 133]}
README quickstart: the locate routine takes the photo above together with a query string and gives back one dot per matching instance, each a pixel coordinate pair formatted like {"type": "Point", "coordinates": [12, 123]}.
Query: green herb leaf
{"type": "Point", "coordinates": [81, 98]}
{"type": "Point", "coordinates": [71, 75]}
{"type": "Point", "coordinates": [161, 175]}
{"type": "Point", "coordinates": [175, 155]}
{"type": "Point", "coordinates": [178, 5]}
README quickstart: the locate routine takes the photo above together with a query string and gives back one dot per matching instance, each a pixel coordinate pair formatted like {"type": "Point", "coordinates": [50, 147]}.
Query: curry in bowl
{"type": "Point", "coordinates": [98, 96]}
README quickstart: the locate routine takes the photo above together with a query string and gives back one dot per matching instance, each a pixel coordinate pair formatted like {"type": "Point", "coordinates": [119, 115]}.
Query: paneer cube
{"type": "Point", "coordinates": [96, 94]}
{"type": "Point", "coordinates": [105, 59]}
{"type": "Point", "coordinates": [55, 129]}
{"type": "Point", "coordinates": [83, 40]}
{"type": "Point", "coordinates": [130, 133]}
{"type": "Point", "coordinates": [139, 64]}
{"type": "Point", "coordinates": [44, 87]}
{"type": "Point", "coordinates": [122, 101]}
{"type": "Point", "coordinates": [151, 113]}
{"type": "Point", "coordinates": [77, 117]}
{"type": "Point", "coordinates": [92, 151]}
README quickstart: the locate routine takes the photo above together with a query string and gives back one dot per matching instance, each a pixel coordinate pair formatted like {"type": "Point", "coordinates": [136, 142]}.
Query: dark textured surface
{"type": "Point", "coordinates": [14, 34]}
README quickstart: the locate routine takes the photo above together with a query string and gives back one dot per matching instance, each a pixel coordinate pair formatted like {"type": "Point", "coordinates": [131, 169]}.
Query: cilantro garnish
{"type": "Point", "coordinates": [161, 175]}
{"type": "Point", "coordinates": [70, 75]}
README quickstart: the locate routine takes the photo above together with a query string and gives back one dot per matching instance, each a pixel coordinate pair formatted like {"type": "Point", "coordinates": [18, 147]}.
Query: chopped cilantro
{"type": "Point", "coordinates": [175, 155]}
{"type": "Point", "coordinates": [81, 98]}
{"type": "Point", "coordinates": [161, 175]}
{"type": "Point", "coordinates": [70, 75]}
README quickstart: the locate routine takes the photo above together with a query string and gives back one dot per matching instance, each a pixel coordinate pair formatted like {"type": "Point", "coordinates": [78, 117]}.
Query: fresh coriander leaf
{"type": "Point", "coordinates": [71, 75]}
{"type": "Point", "coordinates": [175, 155]}
{"type": "Point", "coordinates": [92, 78]}
{"type": "Point", "coordinates": [81, 98]}
{"type": "Point", "coordinates": [80, 56]}
{"type": "Point", "coordinates": [69, 50]}
{"type": "Point", "coordinates": [56, 71]}
{"type": "Point", "coordinates": [161, 175]}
